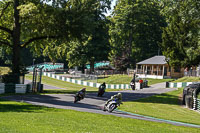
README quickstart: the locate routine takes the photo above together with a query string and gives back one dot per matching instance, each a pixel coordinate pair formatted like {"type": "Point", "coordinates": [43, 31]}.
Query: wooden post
{"type": "Point", "coordinates": [163, 70]}
{"type": "Point", "coordinates": [152, 70]}
{"type": "Point", "coordinates": [146, 70]}
{"type": "Point", "coordinates": [143, 70]}
{"type": "Point", "coordinates": [157, 70]}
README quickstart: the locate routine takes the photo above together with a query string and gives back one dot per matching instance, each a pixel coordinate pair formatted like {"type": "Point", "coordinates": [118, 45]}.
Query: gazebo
{"type": "Point", "coordinates": [158, 68]}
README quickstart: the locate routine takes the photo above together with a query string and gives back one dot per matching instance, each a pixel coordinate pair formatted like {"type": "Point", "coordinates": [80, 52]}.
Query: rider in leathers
{"type": "Point", "coordinates": [117, 96]}
{"type": "Point", "coordinates": [82, 93]}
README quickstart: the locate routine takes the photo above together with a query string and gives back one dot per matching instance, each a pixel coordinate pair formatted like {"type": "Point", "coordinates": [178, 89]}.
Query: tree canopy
{"type": "Point", "coordinates": [181, 37]}
{"type": "Point", "coordinates": [79, 32]}
{"type": "Point", "coordinates": [39, 25]}
{"type": "Point", "coordinates": [135, 31]}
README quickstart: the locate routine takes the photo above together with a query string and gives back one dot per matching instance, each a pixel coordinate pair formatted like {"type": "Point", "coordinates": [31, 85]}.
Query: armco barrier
{"type": "Point", "coordinates": [85, 83]}
{"type": "Point", "coordinates": [14, 88]}
{"type": "Point", "coordinates": [178, 84]}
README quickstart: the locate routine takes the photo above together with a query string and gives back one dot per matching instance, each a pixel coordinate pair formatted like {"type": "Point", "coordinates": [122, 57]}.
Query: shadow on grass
{"type": "Point", "coordinates": [20, 107]}
{"type": "Point", "coordinates": [162, 99]}
{"type": "Point", "coordinates": [141, 97]}
{"type": "Point", "coordinates": [91, 101]}
{"type": "Point", "coordinates": [41, 100]}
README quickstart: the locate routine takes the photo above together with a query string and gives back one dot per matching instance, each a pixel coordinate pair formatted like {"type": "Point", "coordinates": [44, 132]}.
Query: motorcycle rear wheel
{"type": "Point", "coordinates": [111, 108]}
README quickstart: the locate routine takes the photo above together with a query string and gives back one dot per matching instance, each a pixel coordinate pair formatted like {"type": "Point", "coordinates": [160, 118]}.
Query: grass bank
{"type": "Point", "coordinates": [19, 117]}
{"type": "Point", "coordinates": [122, 79]}
{"type": "Point", "coordinates": [67, 86]}
{"type": "Point", "coordinates": [188, 79]}
{"type": "Point", "coordinates": [165, 106]}
{"type": "Point", "coordinates": [125, 79]}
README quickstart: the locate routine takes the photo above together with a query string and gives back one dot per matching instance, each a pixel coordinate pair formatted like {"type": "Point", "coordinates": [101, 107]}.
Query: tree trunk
{"type": "Point", "coordinates": [91, 66]}
{"type": "Point", "coordinates": [16, 40]}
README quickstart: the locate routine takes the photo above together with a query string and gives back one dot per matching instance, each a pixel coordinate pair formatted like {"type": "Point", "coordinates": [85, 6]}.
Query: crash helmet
{"type": "Point", "coordinates": [84, 89]}
{"type": "Point", "coordinates": [119, 95]}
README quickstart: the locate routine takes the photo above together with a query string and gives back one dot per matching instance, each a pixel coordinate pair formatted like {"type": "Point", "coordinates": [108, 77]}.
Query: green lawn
{"type": "Point", "coordinates": [155, 81]}
{"type": "Point", "coordinates": [188, 79]}
{"type": "Point", "coordinates": [125, 79]}
{"type": "Point", "coordinates": [4, 70]}
{"type": "Point", "coordinates": [19, 117]}
{"type": "Point", "coordinates": [165, 106]}
{"type": "Point", "coordinates": [62, 84]}
{"type": "Point", "coordinates": [68, 87]}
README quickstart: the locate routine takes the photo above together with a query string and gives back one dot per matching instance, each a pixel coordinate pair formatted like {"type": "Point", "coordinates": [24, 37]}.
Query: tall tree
{"type": "Point", "coordinates": [92, 47]}
{"type": "Point", "coordinates": [135, 31]}
{"type": "Point", "coordinates": [181, 38]}
{"type": "Point", "coordinates": [34, 23]}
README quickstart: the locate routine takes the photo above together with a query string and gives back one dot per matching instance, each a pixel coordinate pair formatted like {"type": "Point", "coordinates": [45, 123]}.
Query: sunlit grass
{"type": "Point", "coordinates": [19, 117]}
{"type": "Point", "coordinates": [4, 70]}
{"type": "Point", "coordinates": [67, 86]}
{"type": "Point", "coordinates": [165, 106]}
{"type": "Point", "coordinates": [188, 79]}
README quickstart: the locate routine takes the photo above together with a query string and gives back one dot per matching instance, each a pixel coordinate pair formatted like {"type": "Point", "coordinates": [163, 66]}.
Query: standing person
{"type": "Point", "coordinates": [102, 89]}
{"type": "Point", "coordinates": [132, 84]}
{"type": "Point", "coordinates": [190, 71]}
{"type": "Point", "coordinates": [186, 71]}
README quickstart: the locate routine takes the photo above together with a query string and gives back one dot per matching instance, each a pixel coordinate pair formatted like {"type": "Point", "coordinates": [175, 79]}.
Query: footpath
{"type": "Point", "coordinates": [94, 104]}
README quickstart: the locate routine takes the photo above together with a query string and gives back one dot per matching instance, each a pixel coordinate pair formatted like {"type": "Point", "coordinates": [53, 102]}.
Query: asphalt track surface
{"type": "Point", "coordinates": [93, 104]}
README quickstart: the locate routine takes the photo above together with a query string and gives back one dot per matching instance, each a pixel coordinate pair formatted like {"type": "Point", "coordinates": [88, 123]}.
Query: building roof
{"type": "Point", "coordinates": [153, 60]}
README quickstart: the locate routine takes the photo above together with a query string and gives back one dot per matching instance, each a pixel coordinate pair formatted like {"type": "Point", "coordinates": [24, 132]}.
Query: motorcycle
{"type": "Point", "coordinates": [78, 97]}
{"type": "Point", "coordinates": [132, 84]}
{"type": "Point", "coordinates": [101, 92]}
{"type": "Point", "coordinates": [112, 105]}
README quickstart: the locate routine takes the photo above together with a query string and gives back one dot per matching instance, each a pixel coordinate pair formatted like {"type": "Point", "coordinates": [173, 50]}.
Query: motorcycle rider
{"type": "Point", "coordinates": [118, 96]}
{"type": "Point", "coordinates": [81, 93]}
{"type": "Point", "coordinates": [132, 84]}
{"type": "Point", "coordinates": [102, 87]}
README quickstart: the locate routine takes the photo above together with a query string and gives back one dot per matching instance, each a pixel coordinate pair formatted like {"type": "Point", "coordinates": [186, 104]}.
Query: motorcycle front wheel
{"type": "Point", "coordinates": [76, 99]}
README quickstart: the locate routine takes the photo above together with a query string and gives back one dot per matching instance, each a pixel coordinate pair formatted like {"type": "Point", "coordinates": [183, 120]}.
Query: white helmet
{"type": "Point", "coordinates": [119, 94]}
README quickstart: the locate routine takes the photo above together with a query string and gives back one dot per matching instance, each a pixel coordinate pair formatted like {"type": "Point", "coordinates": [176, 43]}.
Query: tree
{"type": "Point", "coordinates": [94, 49]}
{"type": "Point", "coordinates": [91, 47]}
{"type": "Point", "coordinates": [135, 32]}
{"type": "Point", "coordinates": [34, 24]}
{"type": "Point", "coordinates": [181, 42]}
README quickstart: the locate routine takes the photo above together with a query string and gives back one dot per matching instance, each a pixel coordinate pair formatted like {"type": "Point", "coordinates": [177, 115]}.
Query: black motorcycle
{"type": "Point", "coordinates": [78, 96]}
{"type": "Point", "coordinates": [101, 91]}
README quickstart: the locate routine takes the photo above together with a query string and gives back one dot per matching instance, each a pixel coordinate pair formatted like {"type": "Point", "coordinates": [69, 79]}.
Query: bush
{"type": "Point", "coordinates": [198, 95]}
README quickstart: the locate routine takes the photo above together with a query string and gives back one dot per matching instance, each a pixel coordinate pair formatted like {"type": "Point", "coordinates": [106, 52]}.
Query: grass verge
{"type": "Point", "coordinates": [188, 79]}
{"type": "Point", "coordinates": [67, 86]}
{"type": "Point", "coordinates": [19, 117]}
{"type": "Point", "coordinates": [114, 79]}
{"type": "Point", "coordinates": [165, 106]}
{"type": "Point", "coordinates": [125, 79]}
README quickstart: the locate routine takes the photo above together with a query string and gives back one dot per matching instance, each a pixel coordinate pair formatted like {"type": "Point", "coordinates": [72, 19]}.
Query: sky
{"type": "Point", "coordinates": [112, 6]}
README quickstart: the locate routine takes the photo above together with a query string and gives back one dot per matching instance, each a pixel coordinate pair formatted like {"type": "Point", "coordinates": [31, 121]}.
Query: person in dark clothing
{"type": "Point", "coordinates": [82, 93]}
{"type": "Point", "coordinates": [132, 84]}
{"type": "Point", "coordinates": [102, 89]}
